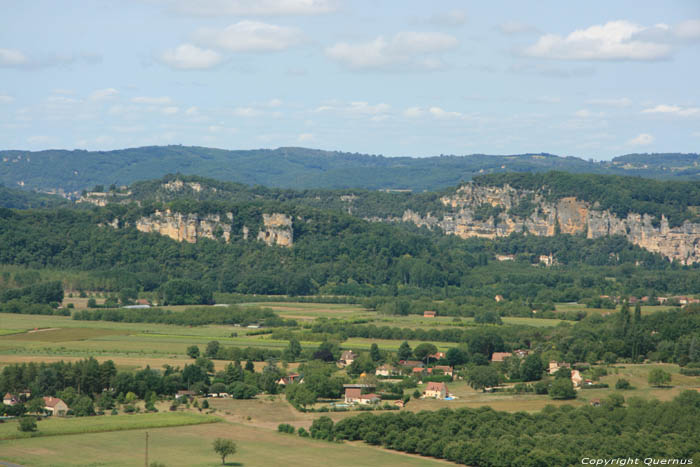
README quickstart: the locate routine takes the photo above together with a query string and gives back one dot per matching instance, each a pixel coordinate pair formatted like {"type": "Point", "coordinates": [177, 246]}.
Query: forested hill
{"type": "Point", "coordinates": [21, 199]}
{"type": "Point", "coordinates": [305, 168]}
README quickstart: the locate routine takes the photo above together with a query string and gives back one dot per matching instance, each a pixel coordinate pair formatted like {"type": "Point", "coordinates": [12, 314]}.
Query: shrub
{"type": "Point", "coordinates": [27, 424]}
{"type": "Point", "coordinates": [622, 383]}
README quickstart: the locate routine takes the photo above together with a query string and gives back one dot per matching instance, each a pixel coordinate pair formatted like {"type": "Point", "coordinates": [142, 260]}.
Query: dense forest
{"type": "Point", "coordinates": [555, 436]}
{"type": "Point", "coordinates": [303, 168]}
{"type": "Point", "coordinates": [333, 254]}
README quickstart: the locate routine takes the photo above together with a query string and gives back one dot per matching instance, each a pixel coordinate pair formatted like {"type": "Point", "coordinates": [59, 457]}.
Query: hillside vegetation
{"type": "Point", "coordinates": [304, 168]}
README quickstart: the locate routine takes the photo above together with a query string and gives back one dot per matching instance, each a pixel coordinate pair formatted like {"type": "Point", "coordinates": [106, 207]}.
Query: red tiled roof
{"type": "Point", "coordinates": [353, 393]}
{"type": "Point", "coordinates": [52, 401]}
{"type": "Point", "coordinates": [433, 386]}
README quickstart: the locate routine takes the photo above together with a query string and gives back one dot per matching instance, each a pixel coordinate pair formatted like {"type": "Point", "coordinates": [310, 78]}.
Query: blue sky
{"type": "Point", "coordinates": [400, 78]}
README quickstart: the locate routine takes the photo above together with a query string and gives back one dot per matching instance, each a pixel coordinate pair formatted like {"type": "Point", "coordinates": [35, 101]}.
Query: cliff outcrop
{"type": "Point", "coordinates": [276, 228]}
{"type": "Point", "coordinates": [510, 211]}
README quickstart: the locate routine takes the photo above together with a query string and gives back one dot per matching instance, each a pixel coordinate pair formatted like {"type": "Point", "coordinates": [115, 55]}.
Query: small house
{"type": "Point", "coordinates": [498, 298]}
{"type": "Point", "coordinates": [437, 355]}
{"type": "Point", "coordinates": [386, 370]}
{"type": "Point", "coordinates": [289, 379]}
{"type": "Point", "coordinates": [183, 393]}
{"type": "Point", "coordinates": [500, 356]}
{"type": "Point", "coordinates": [436, 390]}
{"type": "Point", "coordinates": [411, 363]}
{"type": "Point", "coordinates": [446, 370]}
{"type": "Point", "coordinates": [10, 399]}
{"type": "Point", "coordinates": [347, 357]}
{"type": "Point", "coordinates": [595, 402]}
{"type": "Point", "coordinates": [522, 353]}
{"type": "Point", "coordinates": [429, 314]}
{"type": "Point", "coordinates": [555, 366]}
{"type": "Point", "coordinates": [576, 378]}
{"type": "Point", "coordinates": [55, 406]}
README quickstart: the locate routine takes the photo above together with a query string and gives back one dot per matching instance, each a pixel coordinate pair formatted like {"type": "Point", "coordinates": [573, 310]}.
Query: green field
{"type": "Point", "coordinates": [58, 426]}
{"type": "Point", "coordinates": [191, 446]}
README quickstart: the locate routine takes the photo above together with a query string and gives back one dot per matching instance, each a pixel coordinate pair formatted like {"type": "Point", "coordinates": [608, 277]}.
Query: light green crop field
{"type": "Point", "coordinates": [54, 426]}
{"type": "Point", "coordinates": [192, 446]}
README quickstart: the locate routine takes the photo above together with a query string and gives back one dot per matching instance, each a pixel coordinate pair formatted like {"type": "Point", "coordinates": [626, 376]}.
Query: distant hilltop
{"type": "Point", "coordinates": [69, 172]}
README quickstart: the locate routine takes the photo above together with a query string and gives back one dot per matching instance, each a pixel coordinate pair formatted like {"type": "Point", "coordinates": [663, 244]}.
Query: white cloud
{"type": "Point", "coordinates": [12, 58]}
{"type": "Point", "coordinates": [152, 100]}
{"type": "Point", "coordinates": [413, 112]}
{"type": "Point", "coordinates": [689, 29]}
{"type": "Point", "coordinates": [305, 137]}
{"type": "Point", "coordinates": [512, 28]}
{"type": "Point", "coordinates": [172, 110]}
{"type": "Point", "coordinates": [103, 94]}
{"type": "Point", "coordinates": [274, 103]}
{"type": "Point", "coordinates": [433, 111]}
{"type": "Point", "coordinates": [61, 100]}
{"type": "Point", "coordinates": [642, 139]}
{"type": "Point", "coordinates": [405, 50]}
{"type": "Point", "coordinates": [360, 108]}
{"type": "Point", "coordinates": [621, 102]}
{"type": "Point", "coordinates": [246, 112]}
{"type": "Point", "coordinates": [615, 40]}
{"type": "Point", "coordinates": [6, 99]}
{"type": "Point", "coordinates": [254, 7]}
{"type": "Point", "coordinates": [190, 57]}
{"type": "Point", "coordinates": [672, 110]}
{"type": "Point", "coordinates": [192, 111]}
{"type": "Point", "coordinates": [251, 36]}
{"type": "Point", "coordinates": [585, 113]}
{"type": "Point", "coordinates": [437, 112]}
{"type": "Point", "coordinates": [453, 18]}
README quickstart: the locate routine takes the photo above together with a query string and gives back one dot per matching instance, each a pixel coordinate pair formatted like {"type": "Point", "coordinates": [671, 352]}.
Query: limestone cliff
{"type": "Point", "coordinates": [277, 230]}
{"type": "Point", "coordinates": [546, 217]}
{"type": "Point", "coordinates": [186, 227]}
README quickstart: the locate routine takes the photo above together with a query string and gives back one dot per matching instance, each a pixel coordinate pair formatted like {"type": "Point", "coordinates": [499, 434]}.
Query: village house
{"type": "Point", "coordinates": [55, 406]}
{"type": "Point", "coordinates": [522, 353]}
{"type": "Point", "coordinates": [554, 366]}
{"type": "Point", "coordinates": [353, 395]}
{"type": "Point", "coordinates": [10, 399]}
{"type": "Point", "coordinates": [436, 390]}
{"type": "Point", "coordinates": [498, 298]}
{"type": "Point", "coordinates": [183, 393]}
{"type": "Point", "coordinates": [289, 379]}
{"type": "Point", "coordinates": [347, 357]}
{"type": "Point", "coordinates": [429, 314]}
{"type": "Point", "coordinates": [446, 370]}
{"type": "Point", "coordinates": [576, 378]}
{"type": "Point", "coordinates": [437, 355]}
{"type": "Point", "coordinates": [595, 402]}
{"type": "Point", "coordinates": [386, 370]}
{"type": "Point", "coordinates": [505, 257]}
{"type": "Point", "coordinates": [500, 356]}
{"type": "Point", "coordinates": [411, 363]}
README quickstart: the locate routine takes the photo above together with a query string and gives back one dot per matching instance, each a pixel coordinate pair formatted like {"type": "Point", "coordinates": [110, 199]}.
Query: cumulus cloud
{"type": "Point", "coordinates": [170, 110]}
{"type": "Point", "coordinates": [642, 139]}
{"type": "Point", "coordinates": [512, 28]}
{"type": "Point", "coordinates": [6, 99]}
{"type": "Point", "coordinates": [251, 36]}
{"type": "Point", "coordinates": [672, 110]}
{"type": "Point", "coordinates": [613, 102]}
{"type": "Point", "coordinates": [152, 100]}
{"type": "Point", "coordinates": [615, 40]}
{"type": "Point", "coordinates": [254, 7]}
{"type": "Point", "coordinates": [355, 108]}
{"type": "Point", "coordinates": [12, 58]}
{"type": "Point", "coordinates": [405, 50]}
{"type": "Point", "coordinates": [433, 111]}
{"type": "Point", "coordinates": [689, 29]}
{"type": "Point", "coordinates": [246, 112]}
{"type": "Point", "coordinates": [305, 137]}
{"type": "Point", "coordinates": [190, 57]}
{"type": "Point", "coordinates": [103, 94]}
{"type": "Point", "coordinates": [453, 18]}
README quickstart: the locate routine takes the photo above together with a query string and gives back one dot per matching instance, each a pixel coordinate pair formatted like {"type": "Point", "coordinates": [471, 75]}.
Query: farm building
{"type": "Point", "coordinates": [55, 406]}
{"type": "Point", "coordinates": [436, 390]}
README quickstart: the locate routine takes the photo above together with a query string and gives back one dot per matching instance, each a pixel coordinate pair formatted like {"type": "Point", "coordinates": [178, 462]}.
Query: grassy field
{"type": "Point", "coordinates": [55, 426]}
{"type": "Point", "coordinates": [191, 446]}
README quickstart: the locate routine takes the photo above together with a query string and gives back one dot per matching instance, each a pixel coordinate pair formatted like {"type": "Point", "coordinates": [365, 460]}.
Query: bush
{"type": "Point", "coordinates": [541, 387]}
{"type": "Point", "coordinates": [286, 428]}
{"type": "Point", "coordinates": [27, 424]}
{"type": "Point", "coordinates": [622, 383]}
{"type": "Point", "coordinates": [303, 433]}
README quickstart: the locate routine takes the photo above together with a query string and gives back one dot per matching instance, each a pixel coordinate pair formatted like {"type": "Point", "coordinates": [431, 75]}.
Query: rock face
{"type": "Point", "coordinates": [186, 227]}
{"type": "Point", "coordinates": [277, 230]}
{"type": "Point", "coordinates": [566, 215]}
